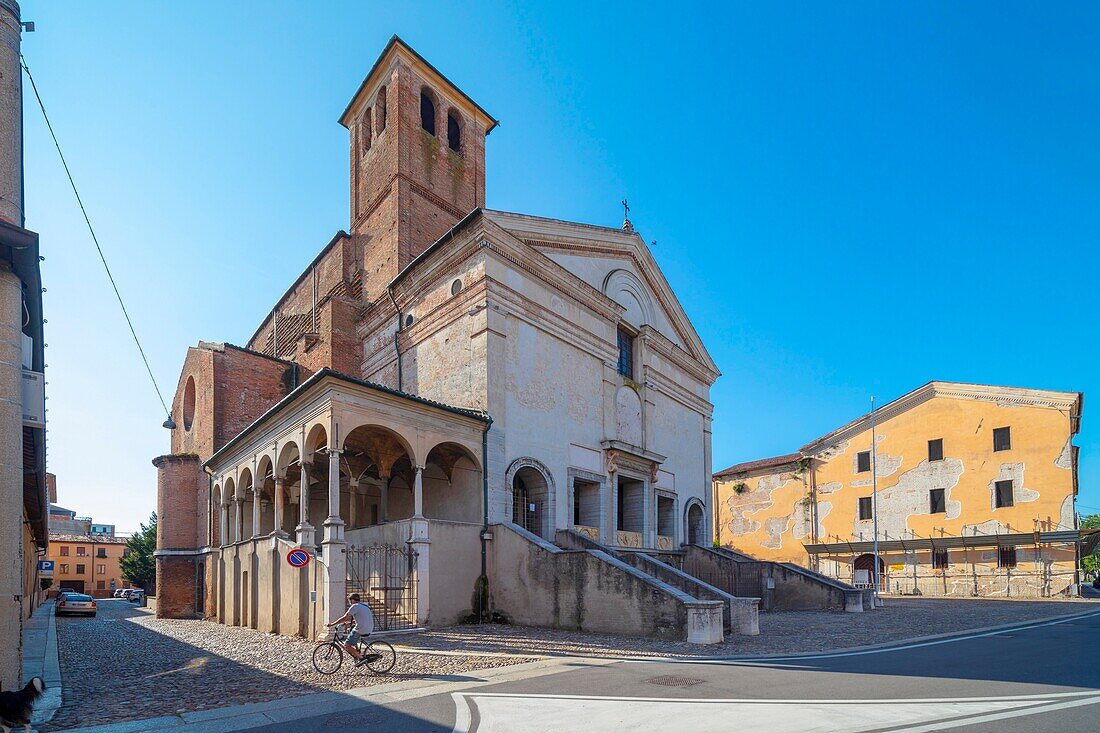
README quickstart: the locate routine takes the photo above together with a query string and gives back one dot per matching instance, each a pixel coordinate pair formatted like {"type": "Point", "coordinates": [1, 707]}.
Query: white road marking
{"type": "Point", "coordinates": [864, 652]}
{"type": "Point", "coordinates": [499, 712]}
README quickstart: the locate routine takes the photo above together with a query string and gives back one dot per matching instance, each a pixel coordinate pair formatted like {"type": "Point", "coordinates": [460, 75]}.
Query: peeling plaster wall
{"type": "Point", "coordinates": [1039, 464]}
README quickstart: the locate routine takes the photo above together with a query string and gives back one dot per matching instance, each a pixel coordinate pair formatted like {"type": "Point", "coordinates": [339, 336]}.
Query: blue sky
{"type": "Point", "coordinates": [848, 199]}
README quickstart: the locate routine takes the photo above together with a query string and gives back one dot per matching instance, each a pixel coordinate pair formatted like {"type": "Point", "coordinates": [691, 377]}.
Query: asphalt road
{"type": "Point", "coordinates": [1039, 678]}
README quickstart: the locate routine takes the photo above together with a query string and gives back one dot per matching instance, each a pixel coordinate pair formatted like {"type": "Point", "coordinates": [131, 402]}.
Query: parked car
{"type": "Point", "coordinates": [134, 595]}
{"type": "Point", "coordinates": [120, 592]}
{"type": "Point", "coordinates": [75, 603]}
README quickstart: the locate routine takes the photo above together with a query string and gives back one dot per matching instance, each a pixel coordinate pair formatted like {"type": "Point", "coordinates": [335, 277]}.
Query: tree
{"type": "Point", "coordinates": [138, 565]}
{"type": "Point", "coordinates": [1090, 564]}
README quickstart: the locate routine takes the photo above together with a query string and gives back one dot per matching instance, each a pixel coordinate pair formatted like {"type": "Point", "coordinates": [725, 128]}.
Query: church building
{"type": "Point", "coordinates": [461, 413]}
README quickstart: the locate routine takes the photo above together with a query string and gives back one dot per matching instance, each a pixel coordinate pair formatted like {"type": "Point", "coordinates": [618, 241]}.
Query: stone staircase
{"type": "Point", "coordinates": [739, 615]}
{"type": "Point", "coordinates": [788, 586]}
{"type": "Point", "coordinates": [537, 583]}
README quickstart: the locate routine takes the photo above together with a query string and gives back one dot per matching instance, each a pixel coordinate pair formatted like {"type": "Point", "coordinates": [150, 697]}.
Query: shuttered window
{"type": "Point", "coordinates": [865, 507]}
{"type": "Point", "coordinates": [863, 461]}
{"type": "Point", "coordinates": [935, 450]}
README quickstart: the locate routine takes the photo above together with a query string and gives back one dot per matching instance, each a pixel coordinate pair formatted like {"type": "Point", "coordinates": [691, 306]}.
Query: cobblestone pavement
{"type": "Point", "coordinates": [789, 632]}
{"type": "Point", "coordinates": [127, 665]}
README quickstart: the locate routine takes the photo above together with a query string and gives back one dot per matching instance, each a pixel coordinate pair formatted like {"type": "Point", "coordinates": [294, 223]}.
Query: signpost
{"type": "Point", "coordinates": [297, 558]}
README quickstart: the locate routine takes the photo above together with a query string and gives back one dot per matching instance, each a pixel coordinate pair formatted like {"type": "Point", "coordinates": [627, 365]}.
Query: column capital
{"type": "Point", "coordinates": [419, 468]}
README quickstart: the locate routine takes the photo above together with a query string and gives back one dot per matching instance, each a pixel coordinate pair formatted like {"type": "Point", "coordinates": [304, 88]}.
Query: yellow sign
{"type": "Point", "coordinates": [898, 567]}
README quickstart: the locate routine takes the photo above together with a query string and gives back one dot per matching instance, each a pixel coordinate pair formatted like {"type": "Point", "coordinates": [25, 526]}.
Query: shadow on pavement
{"type": "Point", "coordinates": [115, 670]}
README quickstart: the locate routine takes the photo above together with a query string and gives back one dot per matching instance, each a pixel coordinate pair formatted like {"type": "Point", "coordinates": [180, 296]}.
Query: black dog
{"type": "Point", "coordinates": [16, 707]}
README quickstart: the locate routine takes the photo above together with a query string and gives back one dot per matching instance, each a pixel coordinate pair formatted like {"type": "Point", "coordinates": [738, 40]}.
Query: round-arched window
{"type": "Point", "coordinates": [189, 403]}
{"type": "Point", "coordinates": [456, 287]}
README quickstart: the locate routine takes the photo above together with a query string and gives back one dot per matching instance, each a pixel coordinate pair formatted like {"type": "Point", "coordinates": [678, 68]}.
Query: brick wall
{"type": "Point", "coordinates": [176, 586]}
{"type": "Point", "coordinates": [409, 188]}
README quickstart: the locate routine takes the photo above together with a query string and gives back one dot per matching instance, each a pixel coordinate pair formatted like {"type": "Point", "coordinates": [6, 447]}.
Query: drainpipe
{"type": "Point", "coordinates": [396, 335]}
{"type": "Point", "coordinates": [484, 595]}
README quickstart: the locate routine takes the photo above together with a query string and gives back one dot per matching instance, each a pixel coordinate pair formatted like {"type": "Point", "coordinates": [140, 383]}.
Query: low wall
{"type": "Point", "coordinates": [256, 587]}
{"type": "Point", "coordinates": [535, 583]}
{"type": "Point", "coordinates": [783, 587]}
{"type": "Point", "coordinates": [454, 563]}
{"type": "Point", "coordinates": [801, 591]}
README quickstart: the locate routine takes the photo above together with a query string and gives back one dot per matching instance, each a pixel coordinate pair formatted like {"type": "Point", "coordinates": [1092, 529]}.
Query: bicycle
{"type": "Point", "coordinates": [328, 656]}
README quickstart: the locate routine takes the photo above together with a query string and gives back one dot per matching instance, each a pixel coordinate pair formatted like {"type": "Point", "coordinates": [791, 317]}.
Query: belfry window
{"type": "Point", "coordinates": [365, 130]}
{"type": "Point", "coordinates": [427, 112]}
{"type": "Point", "coordinates": [626, 353]}
{"type": "Point", "coordinates": [454, 133]}
{"type": "Point", "coordinates": [381, 104]}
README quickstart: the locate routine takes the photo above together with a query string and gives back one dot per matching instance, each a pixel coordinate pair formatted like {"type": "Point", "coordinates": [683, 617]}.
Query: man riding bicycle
{"type": "Point", "coordinates": [360, 614]}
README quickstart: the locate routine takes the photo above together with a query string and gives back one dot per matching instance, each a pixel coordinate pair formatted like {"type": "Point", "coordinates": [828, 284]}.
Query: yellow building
{"type": "Point", "coordinates": [974, 488]}
{"type": "Point", "coordinates": [87, 564]}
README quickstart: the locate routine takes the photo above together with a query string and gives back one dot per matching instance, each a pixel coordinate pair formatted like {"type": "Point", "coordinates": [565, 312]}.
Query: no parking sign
{"type": "Point", "coordinates": [297, 558]}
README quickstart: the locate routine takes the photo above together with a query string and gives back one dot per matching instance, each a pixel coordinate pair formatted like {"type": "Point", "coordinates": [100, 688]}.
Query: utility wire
{"type": "Point", "coordinates": [95, 239]}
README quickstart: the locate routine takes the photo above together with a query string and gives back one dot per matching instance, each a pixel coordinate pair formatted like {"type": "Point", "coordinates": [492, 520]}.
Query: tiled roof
{"type": "Point", "coordinates": [748, 466]}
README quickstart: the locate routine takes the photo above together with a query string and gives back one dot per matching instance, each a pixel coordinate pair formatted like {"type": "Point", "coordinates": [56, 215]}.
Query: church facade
{"type": "Point", "coordinates": [517, 400]}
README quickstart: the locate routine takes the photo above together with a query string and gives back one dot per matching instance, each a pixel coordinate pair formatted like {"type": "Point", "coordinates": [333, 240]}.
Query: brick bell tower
{"type": "Point", "coordinates": [417, 147]}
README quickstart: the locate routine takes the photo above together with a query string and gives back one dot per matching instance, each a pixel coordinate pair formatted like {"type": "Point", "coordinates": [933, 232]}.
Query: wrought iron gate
{"type": "Point", "coordinates": [385, 578]}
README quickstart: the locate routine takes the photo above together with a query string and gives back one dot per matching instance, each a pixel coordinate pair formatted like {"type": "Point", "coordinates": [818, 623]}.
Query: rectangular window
{"type": "Point", "coordinates": [935, 450]}
{"type": "Point", "coordinates": [1003, 494]}
{"type": "Point", "coordinates": [64, 551]}
{"type": "Point", "coordinates": [1006, 557]}
{"type": "Point", "coordinates": [576, 505]}
{"type": "Point", "coordinates": [939, 559]}
{"type": "Point", "coordinates": [81, 551]}
{"type": "Point", "coordinates": [937, 504]}
{"type": "Point", "coordinates": [1002, 439]}
{"type": "Point", "coordinates": [64, 568]}
{"type": "Point", "coordinates": [863, 461]}
{"type": "Point", "coordinates": [79, 569]}
{"type": "Point", "coordinates": [101, 585]}
{"type": "Point", "coordinates": [101, 569]}
{"type": "Point", "coordinates": [865, 507]}
{"type": "Point", "coordinates": [101, 552]}
{"type": "Point", "coordinates": [626, 353]}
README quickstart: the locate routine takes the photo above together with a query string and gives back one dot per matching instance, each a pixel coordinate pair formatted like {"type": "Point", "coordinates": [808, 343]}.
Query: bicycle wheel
{"type": "Point", "coordinates": [387, 657]}
{"type": "Point", "coordinates": [328, 657]}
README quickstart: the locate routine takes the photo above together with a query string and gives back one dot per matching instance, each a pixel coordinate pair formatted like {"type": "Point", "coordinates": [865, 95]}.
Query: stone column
{"type": "Point", "coordinates": [353, 501]}
{"type": "Point", "coordinates": [306, 534]}
{"type": "Point", "coordinates": [419, 522]}
{"type": "Point", "coordinates": [421, 544]}
{"type": "Point", "coordinates": [255, 509]}
{"type": "Point", "coordinates": [335, 581]}
{"type": "Point", "coordinates": [649, 534]}
{"type": "Point", "coordinates": [334, 525]}
{"type": "Point", "coordinates": [384, 499]}
{"type": "Point", "coordinates": [280, 505]}
{"type": "Point", "coordinates": [223, 524]}
{"type": "Point", "coordinates": [238, 519]}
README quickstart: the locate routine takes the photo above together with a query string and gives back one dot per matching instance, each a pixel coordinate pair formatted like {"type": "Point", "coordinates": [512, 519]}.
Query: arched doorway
{"type": "Point", "coordinates": [862, 570]}
{"type": "Point", "coordinates": [532, 498]}
{"type": "Point", "coordinates": [695, 528]}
